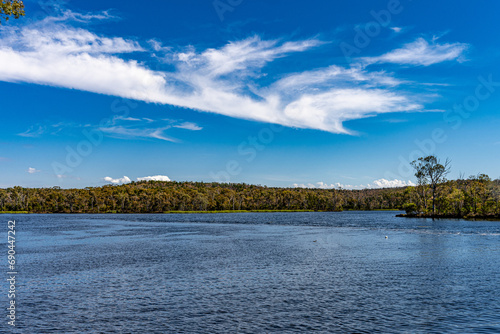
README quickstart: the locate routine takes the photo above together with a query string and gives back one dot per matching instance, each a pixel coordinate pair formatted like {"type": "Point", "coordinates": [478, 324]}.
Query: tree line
{"type": "Point", "coordinates": [433, 195]}
{"type": "Point", "coordinates": [160, 196]}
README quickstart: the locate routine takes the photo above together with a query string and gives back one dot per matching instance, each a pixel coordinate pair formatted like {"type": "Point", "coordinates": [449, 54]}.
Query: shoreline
{"type": "Point", "coordinates": [400, 215]}
{"type": "Point", "coordinates": [438, 216]}
{"type": "Point", "coordinates": [159, 213]}
{"type": "Point", "coordinates": [187, 212]}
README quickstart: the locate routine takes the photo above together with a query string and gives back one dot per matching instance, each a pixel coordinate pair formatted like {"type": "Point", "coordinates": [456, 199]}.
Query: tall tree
{"type": "Point", "coordinates": [422, 186]}
{"type": "Point", "coordinates": [430, 170]}
{"type": "Point", "coordinates": [10, 8]}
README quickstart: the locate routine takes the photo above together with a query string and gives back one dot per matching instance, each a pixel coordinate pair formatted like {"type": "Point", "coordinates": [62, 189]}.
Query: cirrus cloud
{"type": "Point", "coordinates": [421, 52]}
{"type": "Point", "coordinates": [224, 80]}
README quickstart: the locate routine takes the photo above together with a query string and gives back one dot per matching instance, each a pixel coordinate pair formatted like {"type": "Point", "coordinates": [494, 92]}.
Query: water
{"type": "Point", "coordinates": [255, 273]}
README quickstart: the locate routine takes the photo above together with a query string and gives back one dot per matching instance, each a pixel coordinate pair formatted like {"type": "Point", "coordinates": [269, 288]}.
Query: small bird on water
{"type": "Point", "coordinates": [386, 237]}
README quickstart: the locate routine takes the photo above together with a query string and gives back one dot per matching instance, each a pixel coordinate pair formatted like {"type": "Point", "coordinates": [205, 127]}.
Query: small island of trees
{"type": "Point", "coordinates": [434, 196]}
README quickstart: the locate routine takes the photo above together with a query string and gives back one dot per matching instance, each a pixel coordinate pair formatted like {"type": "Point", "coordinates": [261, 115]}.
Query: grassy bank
{"type": "Point", "coordinates": [241, 211]}
{"type": "Point", "coordinates": [13, 212]}
{"type": "Point", "coordinates": [165, 212]}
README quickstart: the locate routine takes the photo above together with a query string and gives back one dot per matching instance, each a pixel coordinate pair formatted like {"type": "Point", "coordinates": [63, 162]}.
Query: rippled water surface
{"type": "Point", "coordinates": [255, 273]}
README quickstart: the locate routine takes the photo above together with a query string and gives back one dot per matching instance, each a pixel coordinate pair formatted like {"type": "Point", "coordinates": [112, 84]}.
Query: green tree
{"type": "Point", "coordinates": [10, 8]}
{"type": "Point", "coordinates": [410, 208]}
{"type": "Point", "coordinates": [479, 192]}
{"type": "Point", "coordinates": [432, 172]}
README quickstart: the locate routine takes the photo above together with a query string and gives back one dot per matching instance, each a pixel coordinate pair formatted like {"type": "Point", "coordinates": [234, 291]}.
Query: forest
{"type": "Point", "coordinates": [476, 196]}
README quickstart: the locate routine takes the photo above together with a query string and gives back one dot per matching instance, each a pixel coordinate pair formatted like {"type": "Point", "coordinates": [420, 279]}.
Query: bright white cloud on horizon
{"type": "Point", "coordinates": [126, 179]}
{"type": "Point", "coordinates": [223, 80]}
{"type": "Point", "coordinates": [381, 183]}
{"type": "Point", "coordinates": [120, 180]}
{"type": "Point", "coordinates": [154, 178]}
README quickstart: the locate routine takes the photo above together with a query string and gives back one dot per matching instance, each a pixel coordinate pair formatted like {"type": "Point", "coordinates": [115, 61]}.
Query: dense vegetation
{"type": "Point", "coordinates": [158, 196]}
{"type": "Point", "coordinates": [476, 196]}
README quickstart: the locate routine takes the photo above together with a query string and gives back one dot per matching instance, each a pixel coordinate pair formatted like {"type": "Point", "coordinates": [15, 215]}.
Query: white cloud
{"type": "Point", "coordinates": [221, 80]}
{"type": "Point", "coordinates": [118, 127]}
{"type": "Point", "coordinates": [188, 126]}
{"type": "Point", "coordinates": [120, 180]}
{"type": "Point", "coordinates": [321, 185]}
{"type": "Point", "coordinates": [33, 132]}
{"type": "Point", "coordinates": [38, 130]}
{"type": "Point", "coordinates": [154, 178]}
{"type": "Point", "coordinates": [65, 15]}
{"type": "Point", "coordinates": [124, 132]}
{"type": "Point", "coordinates": [396, 29]}
{"type": "Point", "coordinates": [126, 179]}
{"type": "Point", "coordinates": [381, 183]}
{"type": "Point", "coordinates": [32, 170]}
{"type": "Point", "coordinates": [252, 53]}
{"type": "Point", "coordinates": [128, 118]}
{"type": "Point", "coordinates": [328, 110]}
{"type": "Point", "coordinates": [129, 127]}
{"type": "Point", "coordinates": [421, 52]}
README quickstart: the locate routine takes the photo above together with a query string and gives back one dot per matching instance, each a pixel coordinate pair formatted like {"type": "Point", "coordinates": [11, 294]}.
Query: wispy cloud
{"type": "Point", "coordinates": [117, 127]}
{"type": "Point", "coordinates": [125, 133]}
{"type": "Point", "coordinates": [128, 128]}
{"type": "Point", "coordinates": [33, 131]}
{"type": "Point", "coordinates": [38, 130]}
{"type": "Point", "coordinates": [188, 126]}
{"type": "Point", "coordinates": [421, 52]}
{"type": "Point", "coordinates": [396, 120]}
{"type": "Point", "coordinates": [128, 119]}
{"type": "Point", "coordinates": [223, 80]}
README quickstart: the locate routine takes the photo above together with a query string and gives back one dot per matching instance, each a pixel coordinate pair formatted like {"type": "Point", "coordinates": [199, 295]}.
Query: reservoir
{"type": "Point", "coordinates": [338, 272]}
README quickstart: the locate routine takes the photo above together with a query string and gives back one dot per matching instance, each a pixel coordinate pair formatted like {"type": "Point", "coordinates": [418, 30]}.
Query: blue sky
{"type": "Point", "coordinates": [279, 93]}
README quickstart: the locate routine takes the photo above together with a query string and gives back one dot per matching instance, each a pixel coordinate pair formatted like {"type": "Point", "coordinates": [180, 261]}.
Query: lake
{"type": "Point", "coordinates": [254, 273]}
